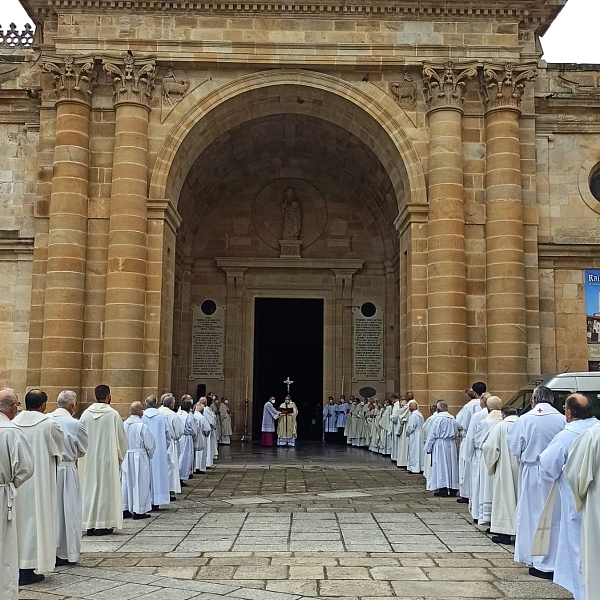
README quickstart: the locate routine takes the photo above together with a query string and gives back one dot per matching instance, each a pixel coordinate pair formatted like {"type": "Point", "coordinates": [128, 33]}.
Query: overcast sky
{"type": "Point", "coordinates": [572, 38]}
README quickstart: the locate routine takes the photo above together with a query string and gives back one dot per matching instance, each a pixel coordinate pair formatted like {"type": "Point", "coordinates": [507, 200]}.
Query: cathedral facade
{"type": "Point", "coordinates": [415, 169]}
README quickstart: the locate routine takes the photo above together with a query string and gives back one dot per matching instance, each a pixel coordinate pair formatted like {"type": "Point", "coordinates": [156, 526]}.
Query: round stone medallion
{"type": "Point", "coordinates": [267, 213]}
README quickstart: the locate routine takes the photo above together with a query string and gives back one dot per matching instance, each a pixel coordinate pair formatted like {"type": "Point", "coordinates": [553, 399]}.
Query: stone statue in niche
{"type": "Point", "coordinates": [292, 215]}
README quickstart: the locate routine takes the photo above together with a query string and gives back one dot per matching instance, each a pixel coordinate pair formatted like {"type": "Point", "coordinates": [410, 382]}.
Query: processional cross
{"type": "Point", "coordinates": [288, 382]}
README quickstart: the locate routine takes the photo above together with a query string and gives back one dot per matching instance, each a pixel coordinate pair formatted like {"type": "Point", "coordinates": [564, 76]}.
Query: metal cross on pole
{"type": "Point", "coordinates": [288, 382]}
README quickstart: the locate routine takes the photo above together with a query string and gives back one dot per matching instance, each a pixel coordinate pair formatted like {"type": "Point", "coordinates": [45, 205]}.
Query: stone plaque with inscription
{"type": "Point", "coordinates": [208, 342]}
{"type": "Point", "coordinates": [368, 346]}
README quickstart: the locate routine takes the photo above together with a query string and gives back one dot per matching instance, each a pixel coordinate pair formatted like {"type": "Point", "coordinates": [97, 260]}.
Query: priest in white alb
{"type": "Point", "coordinates": [582, 473]}
{"type": "Point", "coordinates": [37, 501]}
{"type": "Point", "coordinates": [16, 467]}
{"type": "Point", "coordinates": [330, 420]}
{"type": "Point", "coordinates": [426, 458]}
{"type": "Point", "coordinates": [202, 447]}
{"type": "Point", "coordinates": [187, 442]}
{"type": "Point", "coordinates": [400, 431]}
{"type": "Point", "coordinates": [68, 543]}
{"type": "Point", "coordinates": [175, 432]}
{"type": "Point", "coordinates": [225, 420]}
{"type": "Point", "coordinates": [100, 467]}
{"type": "Point", "coordinates": [567, 537]}
{"type": "Point", "coordinates": [527, 439]}
{"type": "Point", "coordinates": [159, 464]}
{"type": "Point", "coordinates": [463, 419]}
{"type": "Point", "coordinates": [136, 470]}
{"type": "Point", "coordinates": [504, 467]}
{"type": "Point", "coordinates": [414, 432]}
{"type": "Point", "coordinates": [441, 444]}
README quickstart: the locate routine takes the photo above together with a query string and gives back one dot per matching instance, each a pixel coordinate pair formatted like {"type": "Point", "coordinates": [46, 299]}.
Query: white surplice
{"type": "Point", "coordinates": [567, 537]}
{"type": "Point", "coordinates": [329, 418]}
{"type": "Point", "coordinates": [187, 443]}
{"type": "Point", "coordinates": [387, 430]}
{"type": "Point", "coordinates": [463, 418]}
{"type": "Point", "coordinates": [527, 439]}
{"type": "Point", "coordinates": [159, 463]}
{"type": "Point", "coordinates": [582, 473]}
{"type": "Point", "coordinates": [441, 444]}
{"type": "Point", "coordinates": [136, 486]}
{"type": "Point", "coordinates": [99, 469]}
{"type": "Point", "coordinates": [486, 481]}
{"type": "Point", "coordinates": [175, 431]}
{"type": "Point", "coordinates": [211, 445]}
{"type": "Point", "coordinates": [68, 543]}
{"type": "Point", "coordinates": [202, 441]}
{"type": "Point", "coordinates": [341, 411]}
{"type": "Point", "coordinates": [426, 458]}
{"type": "Point", "coordinates": [17, 464]}
{"type": "Point", "coordinates": [36, 503]}
{"type": "Point", "coordinates": [468, 447]}
{"type": "Point", "coordinates": [414, 432]}
{"type": "Point", "coordinates": [225, 419]}
{"type": "Point", "coordinates": [349, 429]}
{"type": "Point", "coordinates": [505, 469]}
{"type": "Point", "coordinates": [400, 431]}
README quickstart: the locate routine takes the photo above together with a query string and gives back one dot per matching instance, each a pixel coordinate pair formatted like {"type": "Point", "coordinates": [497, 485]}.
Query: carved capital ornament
{"type": "Point", "coordinates": [133, 79]}
{"type": "Point", "coordinates": [73, 78]}
{"type": "Point", "coordinates": [502, 86]}
{"type": "Point", "coordinates": [445, 86]}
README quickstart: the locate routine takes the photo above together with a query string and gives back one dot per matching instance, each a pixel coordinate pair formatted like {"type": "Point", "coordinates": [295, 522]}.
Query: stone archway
{"type": "Point", "coordinates": [335, 145]}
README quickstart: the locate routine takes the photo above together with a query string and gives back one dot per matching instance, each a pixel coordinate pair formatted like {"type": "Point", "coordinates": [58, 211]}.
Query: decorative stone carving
{"type": "Point", "coordinates": [171, 87]}
{"type": "Point", "coordinates": [13, 38]}
{"type": "Point", "coordinates": [444, 87]}
{"type": "Point", "coordinates": [73, 78]}
{"type": "Point", "coordinates": [404, 91]}
{"type": "Point", "coordinates": [292, 215]}
{"type": "Point", "coordinates": [502, 86]}
{"type": "Point", "coordinates": [133, 79]}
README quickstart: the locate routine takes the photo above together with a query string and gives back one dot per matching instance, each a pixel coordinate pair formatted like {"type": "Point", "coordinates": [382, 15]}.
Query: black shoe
{"type": "Point", "coordinates": [452, 493]}
{"type": "Point", "coordinates": [27, 577]}
{"type": "Point", "coordinates": [173, 498]}
{"type": "Point", "coordinates": [197, 471]}
{"type": "Point", "coordinates": [137, 516]}
{"type": "Point", "coordinates": [155, 508]}
{"type": "Point", "coordinates": [61, 562]}
{"type": "Point", "coordinates": [488, 530]}
{"type": "Point", "coordinates": [126, 514]}
{"type": "Point", "coordinates": [463, 500]}
{"type": "Point", "coordinates": [191, 476]}
{"type": "Point", "coordinates": [441, 493]}
{"type": "Point", "coordinates": [90, 532]}
{"type": "Point", "coordinates": [474, 521]}
{"type": "Point", "coordinates": [501, 538]}
{"type": "Point", "coordinates": [104, 531]}
{"type": "Point", "coordinates": [541, 574]}
{"type": "Point", "coordinates": [183, 484]}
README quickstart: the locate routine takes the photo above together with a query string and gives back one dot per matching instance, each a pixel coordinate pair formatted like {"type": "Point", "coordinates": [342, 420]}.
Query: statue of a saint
{"type": "Point", "coordinates": [292, 215]}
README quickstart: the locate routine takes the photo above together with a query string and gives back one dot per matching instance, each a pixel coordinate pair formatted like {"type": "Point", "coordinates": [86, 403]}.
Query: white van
{"type": "Point", "coordinates": [563, 384]}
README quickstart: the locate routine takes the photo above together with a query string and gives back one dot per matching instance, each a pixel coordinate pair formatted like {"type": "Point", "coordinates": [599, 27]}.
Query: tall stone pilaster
{"type": "Point", "coordinates": [125, 317]}
{"type": "Point", "coordinates": [444, 89]}
{"type": "Point", "coordinates": [62, 345]}
{"type": "Point", "coordinates": [502, 88]}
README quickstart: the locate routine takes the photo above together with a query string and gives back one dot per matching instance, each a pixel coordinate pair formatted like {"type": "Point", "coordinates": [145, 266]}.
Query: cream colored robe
{"type": "Point", "coordinates": [100, 467]}
{"type": "Point", "coordinates": [16, 467]}
{"type": "Point", "coordinates": [400, 430]}
{"type": "Point", "coordinates": [175, 431]}
{"type": "Point", "coordinates": [287, 428]}
{"type": "Point", "coordinates": [37, 501]}
{"type": "Point", "coordinates": [505, 468]}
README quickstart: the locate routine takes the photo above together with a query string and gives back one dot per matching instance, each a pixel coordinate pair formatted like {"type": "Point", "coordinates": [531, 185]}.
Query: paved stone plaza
{"type": "Point", "coordinates": [287, 525]}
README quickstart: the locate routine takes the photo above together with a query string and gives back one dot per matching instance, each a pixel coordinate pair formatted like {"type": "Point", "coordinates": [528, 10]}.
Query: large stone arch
{"type": "Point", "coordinates": [377, 121]}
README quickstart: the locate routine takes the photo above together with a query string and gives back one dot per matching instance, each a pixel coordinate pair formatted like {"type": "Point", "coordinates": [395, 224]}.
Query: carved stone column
{"type": "Point", "coordinates": [502, 88]}
{"type": "Point", "coordinates": [124, 331]}
{"type": "Point", "coordinates": [444, 89]}
{"type": "Point", "coordinates": [62, 345]}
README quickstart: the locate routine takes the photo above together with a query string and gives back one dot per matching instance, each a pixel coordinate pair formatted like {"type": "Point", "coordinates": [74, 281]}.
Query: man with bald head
{"type": "Point", "coordinates": [135, 471]}
{"type": "Point", "coordinates": [16, 467]}
{"type": "Point", "coordinates": [564, 539]}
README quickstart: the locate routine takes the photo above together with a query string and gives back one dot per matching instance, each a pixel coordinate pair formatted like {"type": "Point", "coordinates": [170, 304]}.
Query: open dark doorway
{"type": "Point", "coordinates": [288, 341]}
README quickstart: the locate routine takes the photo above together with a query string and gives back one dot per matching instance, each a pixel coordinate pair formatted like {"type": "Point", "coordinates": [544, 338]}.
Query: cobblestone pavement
{"type": "Point", "coordinates": [256, 529]}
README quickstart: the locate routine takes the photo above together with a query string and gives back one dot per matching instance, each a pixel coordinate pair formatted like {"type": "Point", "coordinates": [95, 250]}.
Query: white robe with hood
{"type": "Point", "coordinates": [483, 512]}
{"type": "Point", "coordinates": [187, 444]}
{"type": "Point", "coordinates": [400, 433]}
{"type": "Point", "coordinates": [17, 464]}
{"type": "Point", "coordinates": [473, 458]}
{"type": "Point", "coordinates": [463, 418]}
{"type": "Point", "coordinates": [202, 441]}
{"type": "Point", "coordinates": [505, 469]}
{"type": "Point", "coordinates": [159, 463]}
{"type": "Point", "coordinates": [37, 501]}
{"type": "Point", "coordinates": [426, 458]}
{"type": "Point", "coordinates": [175, 431]}
{"type": "Point", "coordinates": [68, 543]}
{"type": "Point", "coordinates": [99, 469]}
{"type": "Point", "coordinates": [414, 432]}
{"type": "Point", "coordinates": [441, 444]}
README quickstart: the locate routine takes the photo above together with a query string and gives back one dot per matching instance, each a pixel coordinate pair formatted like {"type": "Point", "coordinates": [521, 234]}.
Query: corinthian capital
{"type": "Point", "coordinates": [502, 86]}
{"type": "Point", "coordinates": [133, 79]}
{"type": "Point", "coordinates": [444, 86]}
{"type": "Point", "coordinates": [73, 78]}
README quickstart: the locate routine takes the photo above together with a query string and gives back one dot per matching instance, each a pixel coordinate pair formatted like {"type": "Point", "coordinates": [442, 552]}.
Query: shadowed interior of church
{"type": "Point", "coordinates": [288, 342]}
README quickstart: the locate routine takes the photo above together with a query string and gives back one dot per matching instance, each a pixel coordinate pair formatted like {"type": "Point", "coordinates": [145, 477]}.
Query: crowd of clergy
{"type": "Point", "coordinates": [531, 477]}
{"type": "Point", "coordinates": [61, 476]}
